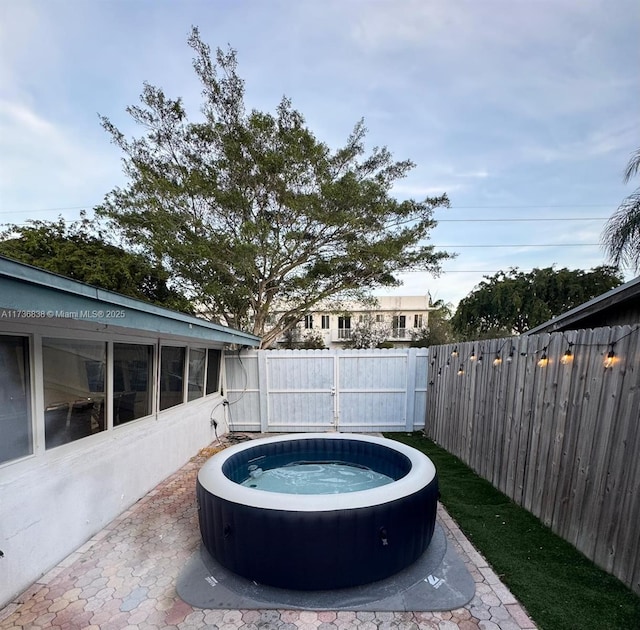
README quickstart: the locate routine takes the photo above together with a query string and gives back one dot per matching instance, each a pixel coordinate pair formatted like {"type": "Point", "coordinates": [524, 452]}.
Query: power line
{"type": "Point", "coordinates": [507, 207]}
{"type": "Point", "coordinates": [532, 220]}
{"type": "Point", "coordinates": [531, 245]}
{"type": "Point", "coordinates": [506, 220]}
{"type": "Point", "coordinates": [448, 271]}
{"type": "Point", "coordinates": [46, 209]}
{"type": "Point", "coordinates": [539, 205]}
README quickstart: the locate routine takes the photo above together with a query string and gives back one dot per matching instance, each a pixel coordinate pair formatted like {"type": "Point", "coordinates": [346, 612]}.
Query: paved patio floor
{"type": "Point", "coordinates": [124, 578]}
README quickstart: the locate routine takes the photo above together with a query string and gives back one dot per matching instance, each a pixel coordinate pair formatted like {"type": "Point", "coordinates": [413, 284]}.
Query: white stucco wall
{"type": "Point", "coordinates": [53, 503]}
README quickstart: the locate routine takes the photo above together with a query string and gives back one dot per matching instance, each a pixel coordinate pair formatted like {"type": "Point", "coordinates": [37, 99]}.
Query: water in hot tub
{"type": "Point", "coordinates": [315, 478]}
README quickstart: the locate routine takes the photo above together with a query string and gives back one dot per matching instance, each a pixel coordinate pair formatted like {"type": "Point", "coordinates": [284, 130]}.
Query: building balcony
{"type": "Point", "coordinates": [345, 334]}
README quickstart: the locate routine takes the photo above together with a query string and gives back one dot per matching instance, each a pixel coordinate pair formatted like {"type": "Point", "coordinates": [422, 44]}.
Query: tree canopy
{"type": "Point", "coordinates": [621, 236]}
{"type": "Point", "coordinates": [439, 330]}
{"type": "Point", "coordinates": [368, 333]}
{"type": "Point", "coordinates": [249, 209]}
{"type": "Point", "coordinates": [512, 302]}
{"type": "Point", "coordinates": [77, 251]}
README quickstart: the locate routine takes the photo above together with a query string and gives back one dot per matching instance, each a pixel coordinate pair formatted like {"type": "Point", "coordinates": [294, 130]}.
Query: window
{"type": "Point", "coordinates": [325, 322]}
{"type": "Point", "coordinates": [417, 321]}
{"type": "Point", "coordinates": [399, 326]}
{"type": "Point", "coordinates": [379, 318]}
{"type": "Point", "coordinates": [15, 399]}
{"type": "Point", "coordinates": [344, 327]}
{"type": "Point", "coordinates": [132, 382]}
{"type": "Point", "coordinates": [172, 364]}
{"type": "Point", "coordinates": [74, 388]}
{"type": "Point", "coordinates": [213, 370]}
{"type": "Point", "coordinates": [308, 321]}
{"type": "Point", "coordinates": [197, 359]}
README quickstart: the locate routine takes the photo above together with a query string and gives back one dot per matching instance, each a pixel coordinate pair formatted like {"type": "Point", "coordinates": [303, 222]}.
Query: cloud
{"type": "Point", "coordinates": [606, 138]}
{"type": "Point", "coordinates": [419, 191]}
{"type": "Point", "coordinates": [474, 174]}
{"type": "Point", "coordinates": [526, 60]}
{"type": "Point", "coordinates": [44, 165]}
{"type": "Point", "coordinates": [22, 35]}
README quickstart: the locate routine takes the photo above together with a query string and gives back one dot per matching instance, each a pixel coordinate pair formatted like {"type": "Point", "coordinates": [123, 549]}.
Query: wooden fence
{"type": "Point", "coordinates": [561, 438]}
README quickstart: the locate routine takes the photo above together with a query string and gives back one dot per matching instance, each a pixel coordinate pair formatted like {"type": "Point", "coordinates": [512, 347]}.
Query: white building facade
{"type": "Point", "coordinates": [396, 320]}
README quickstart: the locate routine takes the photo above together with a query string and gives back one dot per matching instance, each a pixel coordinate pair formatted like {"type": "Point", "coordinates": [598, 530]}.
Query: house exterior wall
{"type": "Point", "coordinates": [403, 316]}
{"type": "Point", "coordinates": [53, 500]}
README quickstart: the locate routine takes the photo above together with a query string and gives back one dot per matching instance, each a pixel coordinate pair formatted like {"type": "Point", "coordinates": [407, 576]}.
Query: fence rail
{"type": "Point", "coordinates": [561, 438]}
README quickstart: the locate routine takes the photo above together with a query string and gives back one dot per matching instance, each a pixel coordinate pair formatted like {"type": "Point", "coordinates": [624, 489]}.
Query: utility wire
{"type": "Point", "coordinates": [448, 271]}
{"type": "Point", "coordinates": [531, 245]}
{"type": "Point", "coordinates": [538, 205]}
{"type": "Point", "coordinates": [531, 219]}
{"type": "Point", "coordinates": [506, 220]}
{"type": "Point", "coordinates": [46, 209]}
{"type": "Point", "coordinates": [513, 207]}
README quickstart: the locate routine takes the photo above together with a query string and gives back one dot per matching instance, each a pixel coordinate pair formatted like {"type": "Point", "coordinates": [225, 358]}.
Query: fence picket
{"type": "Point", "coordinates": [561, 440]}
{"type": "Point", "coordinates": [321, 390]}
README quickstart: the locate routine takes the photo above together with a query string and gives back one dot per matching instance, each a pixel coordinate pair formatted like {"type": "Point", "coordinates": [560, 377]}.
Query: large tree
{"type": "Point", "coordinates": [512, 302]}
{"type": "Point", "coordinates": [249, 210]}
{"type": "Point", "coordinates": [78, 251]}
{"type": "Point", "coordinates": [621, 236]}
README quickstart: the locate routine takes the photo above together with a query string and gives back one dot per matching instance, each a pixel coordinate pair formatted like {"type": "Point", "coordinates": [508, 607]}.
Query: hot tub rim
{"type": "Point", "coordinates": [212, 478]}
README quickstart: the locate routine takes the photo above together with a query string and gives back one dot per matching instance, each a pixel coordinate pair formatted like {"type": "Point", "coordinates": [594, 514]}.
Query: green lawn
{"type": "Point", "coordinates": [558, 585]}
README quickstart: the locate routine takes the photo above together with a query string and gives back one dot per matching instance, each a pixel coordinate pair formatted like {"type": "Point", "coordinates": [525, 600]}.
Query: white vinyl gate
{"type": "Point", "coordinates": [322, 390]}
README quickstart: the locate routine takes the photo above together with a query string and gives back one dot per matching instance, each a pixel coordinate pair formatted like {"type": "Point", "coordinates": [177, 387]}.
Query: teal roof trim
{"type": "Point", "coordinates": [42, 294]}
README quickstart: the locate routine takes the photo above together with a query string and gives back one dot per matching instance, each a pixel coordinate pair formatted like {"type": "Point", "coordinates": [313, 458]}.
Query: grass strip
{"type": "Point", "coordinates": [559, 586]}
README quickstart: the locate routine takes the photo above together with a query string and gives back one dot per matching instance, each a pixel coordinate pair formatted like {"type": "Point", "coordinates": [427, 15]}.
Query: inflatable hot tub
{"type": "Point", "coordinates": [317, 541]}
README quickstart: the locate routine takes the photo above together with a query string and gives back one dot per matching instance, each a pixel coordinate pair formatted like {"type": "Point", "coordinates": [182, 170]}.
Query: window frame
{"type": "Point", "coordinates": [220, 369]}
{"type": "Point", "coordinates": [61, 338]}
{"type": "Point", "coordinates": [153, 381]}
{"type": "Point", "coordinates": [190, 350]}
{"type": "Point", "coordinates": [29, 374]}
{"type": "Point", "coordinates": [162, 344]}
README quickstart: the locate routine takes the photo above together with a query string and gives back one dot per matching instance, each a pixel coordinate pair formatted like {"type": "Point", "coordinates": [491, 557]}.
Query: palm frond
{"type": "Point", "coordinates": [633, 166]}
{"type": "Point", "coordinates": [621, 235]}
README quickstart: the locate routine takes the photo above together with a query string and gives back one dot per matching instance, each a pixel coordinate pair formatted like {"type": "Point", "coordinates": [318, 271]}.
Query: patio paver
{"type": "Point", "coordinates": [124, 578]}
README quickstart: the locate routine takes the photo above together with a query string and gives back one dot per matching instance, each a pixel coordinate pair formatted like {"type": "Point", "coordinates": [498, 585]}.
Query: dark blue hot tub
{"type": "Point", "coordinates": [317, 542]}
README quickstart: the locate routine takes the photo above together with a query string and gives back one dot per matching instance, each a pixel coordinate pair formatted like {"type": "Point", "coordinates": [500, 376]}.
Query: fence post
{"type": "Point", "coordinates": [263, 391]}
{"type": "Point", "coordinates": [410, 401]}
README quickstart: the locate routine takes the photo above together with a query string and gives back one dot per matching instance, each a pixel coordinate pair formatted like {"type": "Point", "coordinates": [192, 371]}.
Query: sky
{"type": "Point", "coordinates": [525, 112]}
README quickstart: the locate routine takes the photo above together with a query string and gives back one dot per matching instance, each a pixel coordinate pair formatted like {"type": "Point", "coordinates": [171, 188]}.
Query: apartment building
{"type": "Point", "coordinates": [394, 319]}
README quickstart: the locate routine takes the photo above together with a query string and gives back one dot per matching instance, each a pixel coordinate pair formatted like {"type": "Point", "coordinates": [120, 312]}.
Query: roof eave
{"type": "Point", "coordinates": [31, 290]}
{"type": "Point", "coordinates": [599, 303]}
